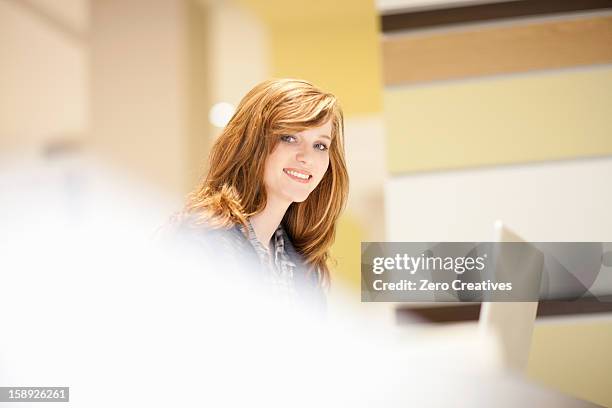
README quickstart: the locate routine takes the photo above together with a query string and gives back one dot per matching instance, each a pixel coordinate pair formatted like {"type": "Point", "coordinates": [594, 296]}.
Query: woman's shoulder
{"type": "Point", "coordinates": [190, 229]}
{"type": "Point", "coordinates": [226, 248]}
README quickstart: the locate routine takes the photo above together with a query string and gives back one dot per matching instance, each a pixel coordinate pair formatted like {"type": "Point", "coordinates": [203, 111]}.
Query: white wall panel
{"type": "Point", "coordinates": [553, 201]}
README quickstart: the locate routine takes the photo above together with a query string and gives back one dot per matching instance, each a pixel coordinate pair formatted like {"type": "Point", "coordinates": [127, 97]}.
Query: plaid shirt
{"type": "Point", "coordinates": [279, 268]}
{"type": "Point", "coordinates": [284, 269]}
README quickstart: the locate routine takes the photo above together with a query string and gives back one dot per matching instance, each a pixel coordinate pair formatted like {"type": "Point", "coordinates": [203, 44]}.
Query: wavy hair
{"type": "Point", "coordinates": [233, 189]}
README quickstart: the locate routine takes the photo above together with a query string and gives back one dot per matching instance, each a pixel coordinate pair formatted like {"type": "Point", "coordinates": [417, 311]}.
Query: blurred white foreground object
{"type": "Point", "coordinates": [88, 302]}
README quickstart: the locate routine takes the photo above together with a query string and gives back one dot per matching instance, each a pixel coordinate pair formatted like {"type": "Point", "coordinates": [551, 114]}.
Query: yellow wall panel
{"type": "Point", "coordinates": [499, 120]}
{"type": "Point", "coordinates": [342, 59]}
{"type": "Point", "coordinates": [334, 44]}
{"type": "Point", "coordinates": [574, 357]}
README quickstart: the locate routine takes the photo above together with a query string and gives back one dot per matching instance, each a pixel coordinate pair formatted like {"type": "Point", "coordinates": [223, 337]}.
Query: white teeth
{"type": "Point", "coordinates": [298, 175]}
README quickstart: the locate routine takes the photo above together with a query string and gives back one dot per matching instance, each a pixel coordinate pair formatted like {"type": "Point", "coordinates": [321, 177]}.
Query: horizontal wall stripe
{"type": "Point", "coordinates": [502, 120]}
{"type": "Point", "coordinates": [497, 50]}
{"type": "Point", "coordinates": [470, 13]}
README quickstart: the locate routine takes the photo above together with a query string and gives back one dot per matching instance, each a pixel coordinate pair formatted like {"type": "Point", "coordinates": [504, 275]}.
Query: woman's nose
{"type": "Point", "coordinates": [303, 156]}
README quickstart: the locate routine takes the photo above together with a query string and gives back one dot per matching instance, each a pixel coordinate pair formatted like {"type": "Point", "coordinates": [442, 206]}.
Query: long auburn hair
{"type": "Point", "coordinates": [233, 189]}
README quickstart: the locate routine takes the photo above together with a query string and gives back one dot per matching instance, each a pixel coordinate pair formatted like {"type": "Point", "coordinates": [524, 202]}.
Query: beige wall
{"type": "Point", "coordinates": [138, 94]}
{"type": "Point", "coordinates": [97, 75]}
{"type": "Point", "coordinates": [240, 51]}
{"type": "Point", "coordinates": [44, 74]}
{"type": "Point", "coordinates": [155, 80]}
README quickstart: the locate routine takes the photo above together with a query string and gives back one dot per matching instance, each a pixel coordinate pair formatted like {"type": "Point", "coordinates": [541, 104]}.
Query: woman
{"type": "Point", "coordinates": [276, 185]}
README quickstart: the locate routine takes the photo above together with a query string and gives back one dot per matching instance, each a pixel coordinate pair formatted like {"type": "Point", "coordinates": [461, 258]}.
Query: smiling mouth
{"type": "Point", "coordinates": [297, 175]}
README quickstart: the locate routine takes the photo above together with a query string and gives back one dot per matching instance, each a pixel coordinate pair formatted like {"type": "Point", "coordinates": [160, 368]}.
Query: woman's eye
{"type": "Point", "coordinates": [288, 138]}
{"type": "Point", "coordinates": [320, 146]}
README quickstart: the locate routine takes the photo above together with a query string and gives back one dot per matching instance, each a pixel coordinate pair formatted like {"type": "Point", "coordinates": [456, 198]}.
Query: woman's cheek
{"type": "Point", "coordinates": [325, 167]}
{"type": "Point", "coordinates": [323, 170]}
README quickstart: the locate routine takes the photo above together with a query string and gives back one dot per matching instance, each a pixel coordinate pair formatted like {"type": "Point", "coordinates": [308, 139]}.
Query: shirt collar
{"type": "Point", "coordinates": [277, 237]}
{"type": "Point", "coordinates": [279, 250]}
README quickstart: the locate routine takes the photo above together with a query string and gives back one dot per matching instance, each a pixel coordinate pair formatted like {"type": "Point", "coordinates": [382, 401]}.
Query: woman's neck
{"type": "Point", "coordinates": [266, 222]}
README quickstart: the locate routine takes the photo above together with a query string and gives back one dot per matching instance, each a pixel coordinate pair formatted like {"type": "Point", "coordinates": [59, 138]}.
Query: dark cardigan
{"type": "Point", "coordinates": [233, 249]}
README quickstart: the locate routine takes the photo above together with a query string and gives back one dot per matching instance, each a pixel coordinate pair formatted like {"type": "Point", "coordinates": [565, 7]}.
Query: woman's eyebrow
{"type": "Point", "coordinates": [326, 137]}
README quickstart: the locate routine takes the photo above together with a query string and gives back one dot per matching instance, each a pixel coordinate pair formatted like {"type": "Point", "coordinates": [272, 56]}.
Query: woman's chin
{"type": "Point", "coordinates": [298, 198]}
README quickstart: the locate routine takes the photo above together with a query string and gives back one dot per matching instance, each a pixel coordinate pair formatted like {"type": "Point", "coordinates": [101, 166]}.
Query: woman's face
{"type": "Point", "coordinates": [298, 163]}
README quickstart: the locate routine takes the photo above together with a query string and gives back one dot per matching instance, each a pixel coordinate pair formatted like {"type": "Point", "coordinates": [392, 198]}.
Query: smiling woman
{"type": "Point", "coordinates": [276, 185]}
